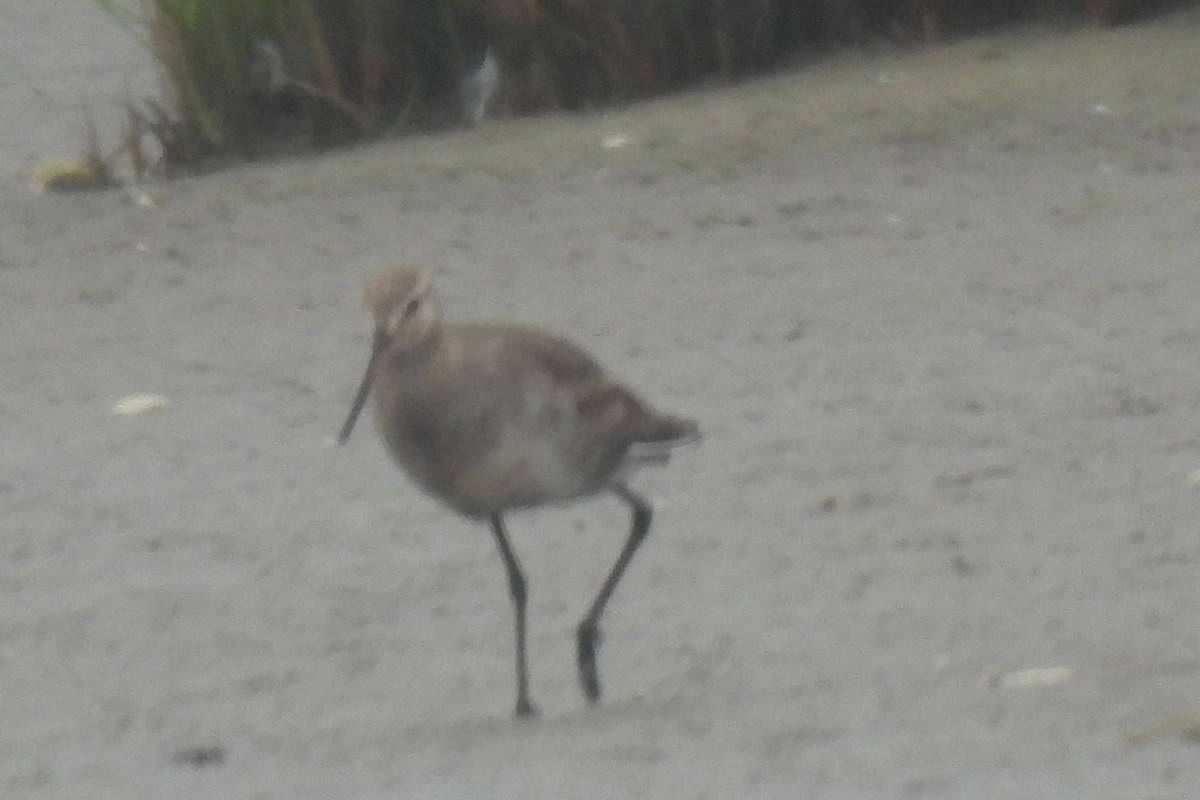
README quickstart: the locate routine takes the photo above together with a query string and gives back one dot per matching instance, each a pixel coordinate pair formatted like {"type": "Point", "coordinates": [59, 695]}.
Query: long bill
{"type": "Point", "coordinates": [378, 345]}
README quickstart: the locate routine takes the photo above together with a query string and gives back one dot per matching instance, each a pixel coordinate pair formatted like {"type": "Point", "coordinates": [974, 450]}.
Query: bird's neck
{"type": "Point", "coordinates": [418, 349]}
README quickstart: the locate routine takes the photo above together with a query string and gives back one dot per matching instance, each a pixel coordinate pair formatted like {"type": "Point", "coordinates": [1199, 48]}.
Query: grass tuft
{"type": "Point", "coordinates": [247, 78]}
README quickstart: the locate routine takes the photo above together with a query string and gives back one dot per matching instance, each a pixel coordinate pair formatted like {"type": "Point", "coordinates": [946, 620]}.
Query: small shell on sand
{"type": "Point", "coordinates": [58, 175]}
{"type": "Point", "coordinates": [139, 404]}
{"type": "Point", "coordinates": [1030, 678]}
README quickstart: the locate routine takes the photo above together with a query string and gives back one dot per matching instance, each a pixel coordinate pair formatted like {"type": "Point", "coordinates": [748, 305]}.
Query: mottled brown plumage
{"type": "Point", "coordinates": [492, 418]}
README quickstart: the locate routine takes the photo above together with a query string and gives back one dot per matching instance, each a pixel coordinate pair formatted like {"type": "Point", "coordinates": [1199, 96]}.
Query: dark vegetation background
{"type": "Point", "coordinates": [251, 77]}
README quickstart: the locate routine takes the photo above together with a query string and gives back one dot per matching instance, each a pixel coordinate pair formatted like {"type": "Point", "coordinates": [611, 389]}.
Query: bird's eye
{"type": "Point", "coordinates": [412, 306]}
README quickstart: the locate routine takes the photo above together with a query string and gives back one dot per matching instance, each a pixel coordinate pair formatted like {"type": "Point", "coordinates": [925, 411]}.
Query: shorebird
{"type": "Point", "coordinates": [492, 418]}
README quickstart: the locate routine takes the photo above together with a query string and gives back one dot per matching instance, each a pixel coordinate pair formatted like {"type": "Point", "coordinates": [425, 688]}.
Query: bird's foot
{"type": "Point", "coordinates": [526, 709]}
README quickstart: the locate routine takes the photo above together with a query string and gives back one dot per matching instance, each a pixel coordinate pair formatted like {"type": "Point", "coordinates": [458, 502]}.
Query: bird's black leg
{"type": "Point", "coordinates": [516, 590]}
{"type": "Point", "coordinates": [589, 629]}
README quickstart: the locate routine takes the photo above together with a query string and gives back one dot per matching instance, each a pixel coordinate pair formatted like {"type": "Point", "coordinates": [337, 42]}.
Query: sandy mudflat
{"type": "Point", "coordinates": [939, 314]}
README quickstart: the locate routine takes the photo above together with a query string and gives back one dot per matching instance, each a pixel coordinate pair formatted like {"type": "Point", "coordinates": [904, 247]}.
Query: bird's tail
{"type": "Point", "coordinates": [659, 435]}
{"type": "Point", "coordinates": [666, 429]}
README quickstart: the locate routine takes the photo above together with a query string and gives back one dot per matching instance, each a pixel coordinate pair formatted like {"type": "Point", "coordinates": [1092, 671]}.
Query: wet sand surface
{"type": "Point", "coordinates": [935, 309]}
